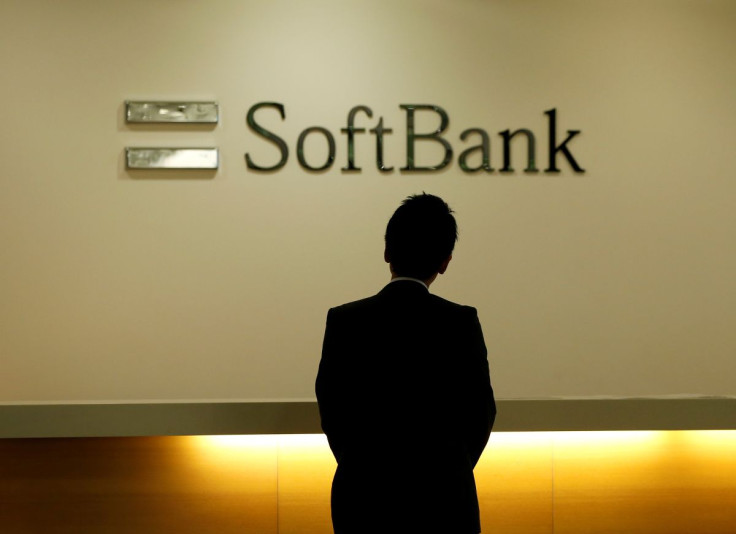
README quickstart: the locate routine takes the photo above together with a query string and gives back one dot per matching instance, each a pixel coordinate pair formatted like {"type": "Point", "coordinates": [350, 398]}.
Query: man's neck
{"type": "Point", "coordinates": [403, 278]}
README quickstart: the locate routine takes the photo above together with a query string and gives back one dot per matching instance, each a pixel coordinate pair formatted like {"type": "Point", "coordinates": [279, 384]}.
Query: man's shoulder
{"type": "Point", "coordinates": [355, 305]}
{"type": "Point", "coordinates": [428, 300]}
{"type": "Point", "coordinates": [453, 306]}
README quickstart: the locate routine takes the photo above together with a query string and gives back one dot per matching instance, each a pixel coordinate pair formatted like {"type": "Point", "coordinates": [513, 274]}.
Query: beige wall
{"type": "Point", "coordinates": [124, 286]}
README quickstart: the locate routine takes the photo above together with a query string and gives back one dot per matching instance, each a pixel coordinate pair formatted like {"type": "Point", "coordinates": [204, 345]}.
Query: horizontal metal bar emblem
{"type": "Point", "coordinates": [171, 158]}
{"type": "Point", "coordinates": [181, 112]}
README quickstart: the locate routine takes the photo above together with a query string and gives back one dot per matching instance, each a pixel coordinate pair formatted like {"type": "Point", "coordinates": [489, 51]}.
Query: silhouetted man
{"type": "Point", "coordinates": [404, 391]}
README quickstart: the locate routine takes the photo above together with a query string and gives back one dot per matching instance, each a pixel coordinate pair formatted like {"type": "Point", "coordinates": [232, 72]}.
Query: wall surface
{"type": "Point", "coordinates": [126, 285]}
{"type": "Point", "coordinates": [528, 483]}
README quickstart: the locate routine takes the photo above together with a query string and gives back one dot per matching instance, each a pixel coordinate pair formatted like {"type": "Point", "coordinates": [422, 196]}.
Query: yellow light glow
{"type": "Point", "coordinates": [716, 438]}
{"type": "Point", "coordinates": [575, 482]}
{"type": "Point", "coordinates": [640, 482]}
{"type": "Point", "coordinates": [304, 440]}
{"type": "Point", "coordinates": [720, 438]}
{"type": "Point", "coordinates": [237, 441]}
{"type": "Point", "coordinates": [504, 439]}
{"type": "Point", "coordinates": [223, 443]}
{"type": "Point", "coordinates": [608, 438]}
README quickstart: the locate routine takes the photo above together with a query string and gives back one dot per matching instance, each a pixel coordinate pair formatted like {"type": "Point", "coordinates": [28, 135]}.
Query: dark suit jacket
{"type": "Point", "coordinates": [406, 403]}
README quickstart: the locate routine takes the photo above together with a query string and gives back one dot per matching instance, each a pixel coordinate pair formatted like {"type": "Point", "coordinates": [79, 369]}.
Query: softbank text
{"type": "Point", "coordinates": [480, 151]}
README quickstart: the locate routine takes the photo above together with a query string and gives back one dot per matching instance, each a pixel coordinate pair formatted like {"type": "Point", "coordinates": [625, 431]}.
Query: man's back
{"type": "Point", "coordinates": [407, 406]}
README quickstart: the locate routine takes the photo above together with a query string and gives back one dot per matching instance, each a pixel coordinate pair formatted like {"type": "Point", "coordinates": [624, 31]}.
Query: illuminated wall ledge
{"type": "Point", "coordinates": [172, 419]}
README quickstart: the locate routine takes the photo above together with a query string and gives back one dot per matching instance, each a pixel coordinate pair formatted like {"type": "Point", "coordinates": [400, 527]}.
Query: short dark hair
{"type": "Point", "coordinates": [420, 235]}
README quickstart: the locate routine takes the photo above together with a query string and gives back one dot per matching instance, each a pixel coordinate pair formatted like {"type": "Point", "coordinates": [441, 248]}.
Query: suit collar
{"type": "Point", "coordinates": [408, 278]}
{"type": "Point", "coordinates": [404, 287]}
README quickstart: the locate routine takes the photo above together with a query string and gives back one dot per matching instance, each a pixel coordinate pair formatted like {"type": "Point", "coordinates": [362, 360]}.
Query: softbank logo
{"type": "Point", "coordinates": [172, 113]}
{"type": "Point", "coordinates": [474, 144]}
{"type": "Point", "coordinates": [480, 137]}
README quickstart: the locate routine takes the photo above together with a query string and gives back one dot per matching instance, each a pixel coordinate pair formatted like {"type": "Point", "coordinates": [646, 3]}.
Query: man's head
{"type": "Point", "coordinates": [420, 237]}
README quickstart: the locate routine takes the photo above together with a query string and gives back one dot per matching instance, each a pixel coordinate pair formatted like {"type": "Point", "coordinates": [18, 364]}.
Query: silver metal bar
{"type": "Point", "coordinates": [171, 158]}
{"type": "Point", "coordinates": [180, 112]}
